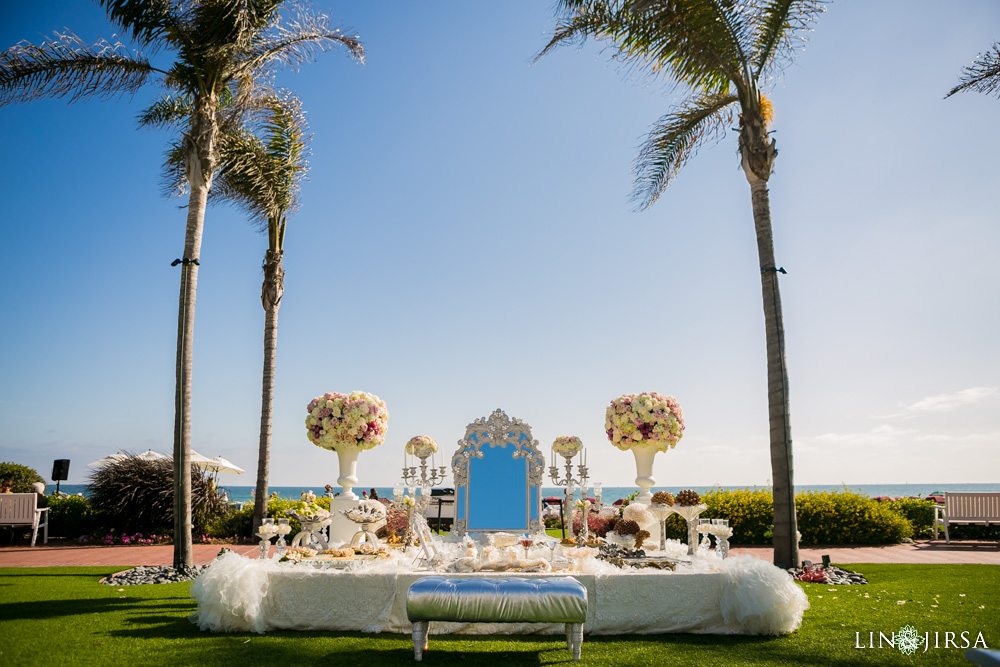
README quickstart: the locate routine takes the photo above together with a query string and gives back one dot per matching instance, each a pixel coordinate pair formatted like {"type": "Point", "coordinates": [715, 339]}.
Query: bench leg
{"type": "Point", "coordinates": [419, 633]}
{"type": "Point", "coordinates": [947, 539]}
{"type": "Point", "coordinates": [575, 630]}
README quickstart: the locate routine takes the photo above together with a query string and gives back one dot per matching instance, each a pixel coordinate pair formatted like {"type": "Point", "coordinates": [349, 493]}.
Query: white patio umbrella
{"type": "Point", "coordinates": [199, 461]}
{"type": "Point", "coordinates": [219, 464]}
{"type": "Point", "coordinates": [107, 460]}
{"type": "Point", "coordinates": [150, 455]}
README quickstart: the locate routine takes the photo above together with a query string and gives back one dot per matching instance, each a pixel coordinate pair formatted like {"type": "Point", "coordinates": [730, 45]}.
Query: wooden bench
{"type": "Point", "coordinates": [966, 508]}
{"type": "Point", "coordinates": [21, 510]}
{"type": "Point", "coordinates": [497, 600]}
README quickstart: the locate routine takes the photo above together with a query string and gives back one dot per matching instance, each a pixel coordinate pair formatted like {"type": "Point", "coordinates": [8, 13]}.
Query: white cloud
{"type": "Point", "coordinates": [878, 436]}
{"type": "Point", "coordinates": [946, 402]}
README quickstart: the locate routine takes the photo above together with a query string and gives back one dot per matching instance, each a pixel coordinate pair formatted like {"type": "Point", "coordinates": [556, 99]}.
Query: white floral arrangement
{"type": "Point", "coordinates": [336, 421]}
{"type": "Point", "coordinates": [421, 446]}
{"type": "Point", "coordinates": [567, 446]}
{"type": "Point", "coordinates": [369, 511]}
{"type": "Point", "coordinates": [646, 420]}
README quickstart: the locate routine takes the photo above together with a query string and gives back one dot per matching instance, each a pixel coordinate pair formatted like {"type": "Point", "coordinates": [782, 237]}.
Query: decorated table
{"type": "Point", "coordinates": [361, 585]}
{"type": "Point", "coordinates": [738, 595]}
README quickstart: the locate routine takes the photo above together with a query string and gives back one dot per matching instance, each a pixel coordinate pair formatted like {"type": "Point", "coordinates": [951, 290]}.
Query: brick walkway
{"type": "Point", "coordinates": [53, 554]}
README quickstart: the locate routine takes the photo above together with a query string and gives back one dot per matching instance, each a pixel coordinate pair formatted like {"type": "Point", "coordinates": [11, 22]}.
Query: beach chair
{"type": "Point", "coordinates": [20, 510]}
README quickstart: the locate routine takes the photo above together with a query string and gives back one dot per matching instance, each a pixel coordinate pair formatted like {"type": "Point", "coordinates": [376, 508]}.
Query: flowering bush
{"type": "Point", "coordinates": [421, 446]}
{"type": "Point", "coordinates": [357, 419]}
{"type": "Point", "coordinates": [598, 524]}
{"type": "Point", "coordinates": [110, 539]}
{"type": "Point", "coordinates": [567, 445]}
{"type": "Point", "coordinates": [647, 419]}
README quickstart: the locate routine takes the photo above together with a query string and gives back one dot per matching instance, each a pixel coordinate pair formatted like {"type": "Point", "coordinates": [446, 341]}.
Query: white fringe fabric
{"type": "Point", "coordinates": [739, 595]}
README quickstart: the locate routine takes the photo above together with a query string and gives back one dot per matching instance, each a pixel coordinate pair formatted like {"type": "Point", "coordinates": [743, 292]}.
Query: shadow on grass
{"type": "Point", "coordinates": [50, 609]}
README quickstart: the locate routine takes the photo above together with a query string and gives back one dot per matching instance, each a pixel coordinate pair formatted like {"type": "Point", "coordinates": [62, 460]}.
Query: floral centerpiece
{"type": "Point", "coordinates": [644, 423]}
{"type": "Point", "coordinates": [567, 446]}
{"type": "Point", "coordinates": [348, 425]}
{"type": "Point", "coordinates": [357, 419]}
{"type": "Point", "coordinates": [421, 446]}
{"type": "Point", "coordinates": [647, 419]}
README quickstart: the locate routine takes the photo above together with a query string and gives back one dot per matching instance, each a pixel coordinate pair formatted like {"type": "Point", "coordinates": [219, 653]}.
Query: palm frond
{"type": "Point", "coordinates": [782, 26]}
{"type": "Point", "coordinates": [694, 42]}
{"type": "Point", "coordinates": [297, 42]}
{"type": "Point", "coordinates": [148, 22]}
{"type": "Point", "coordinates": [170, 111]}
{"type": "Point", "coordinates": [675, 138]}
{"type": "Point", "coordinates": [173, 173]}
{"type": "Point", "coordinates": [68, 67]}
{"type": "Point", "coordinates": [982, 76]}
{"type": "Point", "coordinates": [261, 169]}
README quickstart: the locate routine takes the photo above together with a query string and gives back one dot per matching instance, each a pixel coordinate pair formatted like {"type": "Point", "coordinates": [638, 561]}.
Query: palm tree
{"type": "Point", "coordinates": [983, 75]}
{"type": "Point", "coordinates": [222, 50]}
{"type": "Point", "coordinates": [262, 161]}
{"type": "Point", "coordinates": [262, 176]}
{"type": "Point", "coordinates": [719, 51]}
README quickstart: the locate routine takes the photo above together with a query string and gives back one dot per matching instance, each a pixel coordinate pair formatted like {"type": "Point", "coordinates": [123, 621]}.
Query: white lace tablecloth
{"type": "Point", "coordinates": [741, 595]}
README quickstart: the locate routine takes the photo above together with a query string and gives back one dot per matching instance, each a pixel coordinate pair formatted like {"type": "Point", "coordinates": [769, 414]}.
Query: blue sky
{"type": "Point", "coordinates": [465, 242]}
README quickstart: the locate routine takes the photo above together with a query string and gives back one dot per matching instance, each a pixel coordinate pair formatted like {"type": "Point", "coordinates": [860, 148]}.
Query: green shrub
{"type": "Point", "coordinates": [240, 523]}
{"type": "Point", "coordinates": [843, 517]}
{"type": "Point", "coordinates": [750, 512]}
{"type": "Point", "coordinates": [23, 476]}
{"type": "Point", "coordinates": [137, 496]}
{"type": "Point", "coordinates": [69, 517]}
{"type": "Point", "coordinates": [920, 514]}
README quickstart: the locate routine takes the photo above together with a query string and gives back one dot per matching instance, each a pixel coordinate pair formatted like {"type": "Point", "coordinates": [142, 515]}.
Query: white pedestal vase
{"type": "Point", "coordinates": [348, 455]}
{"type": "Point", "coordinates": [661, 512]}
{"type": "Point", "coordinates": [644, 470]}
{"type": "Point", "coordinates": [690, 514]}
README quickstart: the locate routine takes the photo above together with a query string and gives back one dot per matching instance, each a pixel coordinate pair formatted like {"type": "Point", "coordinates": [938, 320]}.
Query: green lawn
{"type": "Point", "coordinates": [62, 616]}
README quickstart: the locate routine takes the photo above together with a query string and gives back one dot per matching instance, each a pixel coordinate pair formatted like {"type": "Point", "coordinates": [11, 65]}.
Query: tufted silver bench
{"type": "Point", "coordinates": [497, 600]}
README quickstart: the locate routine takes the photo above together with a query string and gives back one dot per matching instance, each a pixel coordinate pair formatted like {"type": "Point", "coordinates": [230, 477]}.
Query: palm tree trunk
{"type": "Point", "coordinates": [786, 547]}
{"type": "Point", "coordinates": [271, 292]}
{"type": "Point", "coordinates": [200, 166]}
{"type": "Point", "coordinates": [182, 396]}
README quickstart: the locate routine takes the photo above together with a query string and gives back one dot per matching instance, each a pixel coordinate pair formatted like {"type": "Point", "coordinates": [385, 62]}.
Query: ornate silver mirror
{"type": "Point", "coordinates": [498, 477]}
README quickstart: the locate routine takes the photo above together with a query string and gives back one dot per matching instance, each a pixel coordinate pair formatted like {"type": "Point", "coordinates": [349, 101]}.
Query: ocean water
{"type": "Point", "coordinates": [611, 494]}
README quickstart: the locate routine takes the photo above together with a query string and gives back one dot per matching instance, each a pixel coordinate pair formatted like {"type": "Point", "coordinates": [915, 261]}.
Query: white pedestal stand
{"type": "Point", "coordinates": [342, 529]}
{"type": "Point", "coordinates": [644, 470]}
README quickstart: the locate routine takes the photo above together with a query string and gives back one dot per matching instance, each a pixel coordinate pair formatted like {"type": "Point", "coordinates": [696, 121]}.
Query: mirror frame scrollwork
{"type": "Point", "coordinates": [498, 430]}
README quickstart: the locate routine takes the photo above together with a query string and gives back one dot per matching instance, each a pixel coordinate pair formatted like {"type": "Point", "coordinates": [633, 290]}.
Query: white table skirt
{"type": "Point", "coordinates": [744, 595]}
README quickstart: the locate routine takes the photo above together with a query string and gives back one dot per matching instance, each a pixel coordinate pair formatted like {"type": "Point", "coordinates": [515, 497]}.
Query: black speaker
{"type": "Point", "coordinates": [60, 470]}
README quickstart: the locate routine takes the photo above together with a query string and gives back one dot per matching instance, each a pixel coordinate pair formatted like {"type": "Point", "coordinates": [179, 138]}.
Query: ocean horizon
{"type": "Point", "coordinates": [613, 493]}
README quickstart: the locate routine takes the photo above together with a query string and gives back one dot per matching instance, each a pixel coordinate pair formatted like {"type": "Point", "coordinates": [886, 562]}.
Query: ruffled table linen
{"type": "Point", "coordinates": [739, 595]}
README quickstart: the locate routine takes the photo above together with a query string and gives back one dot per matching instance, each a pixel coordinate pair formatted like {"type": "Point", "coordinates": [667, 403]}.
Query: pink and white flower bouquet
{"type": "Point", "coordinates": [358, 419]}
{"type": "Point", "coordinates": [421, 446]}
{"type": "Point", "coordinates": [646, 420]}
{"type": "Point", "coordinates": [567, 445]}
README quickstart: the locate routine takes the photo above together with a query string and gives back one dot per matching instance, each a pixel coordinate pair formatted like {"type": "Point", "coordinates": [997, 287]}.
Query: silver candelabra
{"type": "Point", "coordinates": [569, 451]}
{"type": "Point", "coordinates": [435, 476]}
